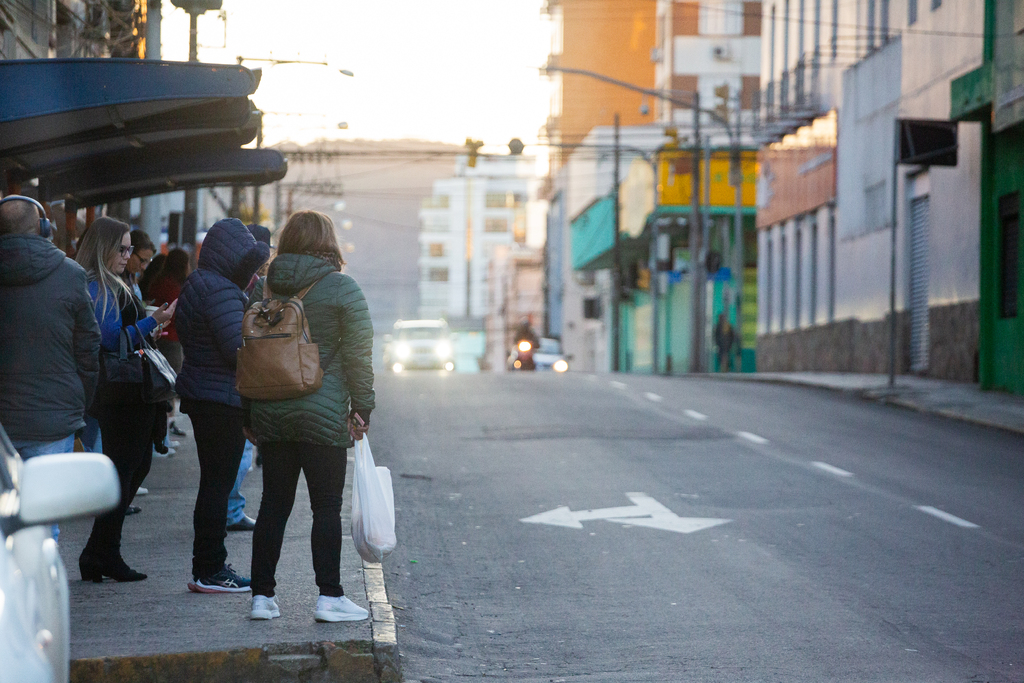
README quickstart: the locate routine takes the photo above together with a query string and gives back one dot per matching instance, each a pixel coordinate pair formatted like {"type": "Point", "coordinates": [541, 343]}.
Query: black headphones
{"type": "Point", "coordinates": [44, 222]}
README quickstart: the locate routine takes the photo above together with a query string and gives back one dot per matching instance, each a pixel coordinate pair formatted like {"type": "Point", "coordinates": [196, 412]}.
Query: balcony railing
{"type": "Point", "coordinates": [794, 100]}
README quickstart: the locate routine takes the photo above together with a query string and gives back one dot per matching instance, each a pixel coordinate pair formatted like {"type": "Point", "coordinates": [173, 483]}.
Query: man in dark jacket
{"type": "Point", "coordinates": [209, 325]}
{"type": "Point", "coordinates": [49, 340]}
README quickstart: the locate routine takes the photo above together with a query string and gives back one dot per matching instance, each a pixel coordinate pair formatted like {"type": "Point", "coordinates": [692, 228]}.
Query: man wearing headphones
{"type": "Point", "coordinates": [49, 338]}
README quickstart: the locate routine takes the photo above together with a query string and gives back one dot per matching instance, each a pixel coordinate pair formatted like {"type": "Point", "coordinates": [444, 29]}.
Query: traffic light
{"type": "Point", "coordinates": [471, 150]}
{"type": "Point", "coordinates": [722, 107]}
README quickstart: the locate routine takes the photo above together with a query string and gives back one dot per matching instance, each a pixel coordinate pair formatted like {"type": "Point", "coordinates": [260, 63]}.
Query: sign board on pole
{"type": "Point", "coordinates": [927, 142]}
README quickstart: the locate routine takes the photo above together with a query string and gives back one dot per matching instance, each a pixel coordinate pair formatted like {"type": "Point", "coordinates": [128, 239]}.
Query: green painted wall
{"type": "Point", "coordinates": [1001, 343]}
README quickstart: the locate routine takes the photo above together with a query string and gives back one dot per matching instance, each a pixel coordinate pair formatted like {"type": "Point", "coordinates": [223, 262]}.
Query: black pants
{"type": "Point", "coordinates": [127, 441]}
{"type": "Point", "coordinates": [219, 442]}
{"type": "Point", "coordinates": [324, 467]}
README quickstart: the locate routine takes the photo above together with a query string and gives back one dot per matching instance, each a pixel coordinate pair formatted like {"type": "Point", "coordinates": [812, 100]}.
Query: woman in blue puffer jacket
{"type": "Point", "coordinates": [209, 326]}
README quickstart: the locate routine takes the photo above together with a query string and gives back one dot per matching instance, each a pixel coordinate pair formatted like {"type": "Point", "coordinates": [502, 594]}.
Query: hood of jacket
{"type": "Point", "coordinates": [230, 250]}
{"type": "Point", "coordinates": [27, 259]}
{"type": "Point", "coordinates": [289, 274]}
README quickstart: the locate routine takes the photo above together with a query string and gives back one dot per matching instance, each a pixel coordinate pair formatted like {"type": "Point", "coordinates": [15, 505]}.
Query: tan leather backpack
{"type": "Point", "coordinates": [277, 359]}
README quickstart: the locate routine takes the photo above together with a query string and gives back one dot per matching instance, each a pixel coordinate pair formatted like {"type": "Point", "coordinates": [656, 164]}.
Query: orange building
{"type": "Point", "coordinates": [611, 37]}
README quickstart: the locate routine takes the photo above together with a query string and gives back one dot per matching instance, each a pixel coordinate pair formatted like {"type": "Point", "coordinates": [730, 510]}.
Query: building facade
{"type": "Point", "coordinates": [825, 263]}
{"type": "Point", "coordinates": [468, 216]}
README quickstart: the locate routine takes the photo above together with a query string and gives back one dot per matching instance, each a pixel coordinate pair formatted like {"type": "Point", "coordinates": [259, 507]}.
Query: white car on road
{"type": "Point", "coordinates": [34, 611]}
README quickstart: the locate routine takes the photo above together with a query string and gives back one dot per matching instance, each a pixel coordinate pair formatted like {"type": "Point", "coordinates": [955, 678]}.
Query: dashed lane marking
{"type": "Point", "coordinates": [617, 385]}
{"type": "Point", "coordinates": [946, 517]}
{"type": "Point", "coordinates": [693, 414]}
{"type": "Point", "coordinates": [831, 469]}
{"type": "Point", "coordinates": [752, 437]}
{"type": "Point", "coordinates": [652, 396]}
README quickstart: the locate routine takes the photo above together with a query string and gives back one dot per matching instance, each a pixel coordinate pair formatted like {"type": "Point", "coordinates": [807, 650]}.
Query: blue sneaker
{"type": "Point", "coordinates": [224, 581]}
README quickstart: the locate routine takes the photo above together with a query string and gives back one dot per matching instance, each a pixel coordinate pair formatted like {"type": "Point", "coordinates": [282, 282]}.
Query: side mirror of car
{"type": "Point", "coordinates": [55, 488]}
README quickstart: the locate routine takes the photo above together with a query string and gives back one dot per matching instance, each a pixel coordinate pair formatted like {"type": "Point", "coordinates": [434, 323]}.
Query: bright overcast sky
{"type": "Point", "coordinates": [440, 71]}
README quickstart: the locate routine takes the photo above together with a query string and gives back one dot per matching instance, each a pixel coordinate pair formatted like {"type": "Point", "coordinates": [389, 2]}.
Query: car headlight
{"type": "Point", "coordinates": [560, 365]}
{"type": "Point", "coordinates": [525, 346]}
{"type": "Point", "coordinates": [403, 351]}
{"type": "Point", "coordinates": [444, 350]}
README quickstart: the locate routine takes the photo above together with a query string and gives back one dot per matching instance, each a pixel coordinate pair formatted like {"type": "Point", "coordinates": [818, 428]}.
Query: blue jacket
{"type": "Point", "coordinates": [210, 310]}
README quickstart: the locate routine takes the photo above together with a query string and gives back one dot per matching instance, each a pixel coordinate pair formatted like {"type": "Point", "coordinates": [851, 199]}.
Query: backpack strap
{"type": "Point", "coordinates": [267, 294]}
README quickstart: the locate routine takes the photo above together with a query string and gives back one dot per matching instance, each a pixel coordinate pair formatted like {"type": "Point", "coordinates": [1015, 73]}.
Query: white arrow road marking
{"type": "Point", "coordinates": [645, 512]}
{"type": "Point", "coordinates": [946, 517]}
{"type": "Point", "coordinates": [752, 437]}
{"type": "Point", "coordinates": [832, 469]}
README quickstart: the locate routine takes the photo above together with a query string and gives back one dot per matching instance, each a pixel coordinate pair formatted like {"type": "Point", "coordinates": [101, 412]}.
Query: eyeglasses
{"type": "Point", "coordinates": [126, 251]}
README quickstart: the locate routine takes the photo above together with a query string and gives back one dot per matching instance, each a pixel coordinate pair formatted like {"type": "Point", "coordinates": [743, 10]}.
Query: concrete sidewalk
{"type": "Point", "coordinates": [156, 630]}
{"type": "Point", "coordinates": [956, 400]}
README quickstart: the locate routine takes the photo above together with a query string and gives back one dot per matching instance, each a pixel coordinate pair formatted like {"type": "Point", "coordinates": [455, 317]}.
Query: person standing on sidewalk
{"type": "Point", "coordinates": [125, 420]}
{"type": "Point", "coordinates": [49, 340]}
{"type": "Point", "coordinates": [311, 434]}
{"type": "Point", "coordinates": [209, 326]}
{"type": "Point", "coordinates": [237, 519]}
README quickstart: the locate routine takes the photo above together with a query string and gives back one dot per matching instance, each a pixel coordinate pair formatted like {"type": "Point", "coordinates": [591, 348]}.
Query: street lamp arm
{"type": "Point", "coordinates": [660, 94]}
{"type": "Point", "coordinates": [275, 62]}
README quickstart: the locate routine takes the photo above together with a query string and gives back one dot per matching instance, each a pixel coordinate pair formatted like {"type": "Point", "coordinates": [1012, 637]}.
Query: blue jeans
{"type": "Point", "coordinates": [92, 440]}
{"type": "Point", "coordinates": [30, 449]}
{"type": "Point", "coordinates": [236, 501]}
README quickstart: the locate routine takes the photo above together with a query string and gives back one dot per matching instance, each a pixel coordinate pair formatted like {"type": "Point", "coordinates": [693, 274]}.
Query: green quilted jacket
{"type": "Point", "coordinates": [336, 310]}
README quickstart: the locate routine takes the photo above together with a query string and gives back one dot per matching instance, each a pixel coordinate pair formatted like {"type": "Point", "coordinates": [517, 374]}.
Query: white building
{"type": "Point", "coordinates": [578, 302]}
{"type": "Point", "coordinates": [825, 270]}
{"type": "Point", "coordinates": [702, 46]}
{"type": "Point", "coordinates": [462, 223]}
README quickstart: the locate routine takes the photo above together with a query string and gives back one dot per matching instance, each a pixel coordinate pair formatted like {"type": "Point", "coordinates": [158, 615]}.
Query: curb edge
{"type": "Point", "coordinates": [385, 642]}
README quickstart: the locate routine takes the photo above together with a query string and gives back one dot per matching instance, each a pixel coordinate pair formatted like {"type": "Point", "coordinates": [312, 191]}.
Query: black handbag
{"type": "Point", "coordinates": [128, 374]}
{"type": "Point", "coordinates": [158, 376]}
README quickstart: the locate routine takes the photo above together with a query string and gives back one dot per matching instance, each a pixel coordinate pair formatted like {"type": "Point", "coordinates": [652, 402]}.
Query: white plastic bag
{"type": "Point", "coordinates": [373, 506]}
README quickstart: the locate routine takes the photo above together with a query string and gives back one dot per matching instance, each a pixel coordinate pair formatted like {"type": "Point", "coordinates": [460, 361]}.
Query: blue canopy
{"type": "Point", "coordinates": [99, 130]}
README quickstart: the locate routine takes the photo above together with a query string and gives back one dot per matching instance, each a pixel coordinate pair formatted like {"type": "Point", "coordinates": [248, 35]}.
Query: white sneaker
{"type": "Point", "coordinates": [338, 609]}
{"type": "Point", "coordinates": [264, 608]}
{"type": "Point", "coordinates": [143, 491]}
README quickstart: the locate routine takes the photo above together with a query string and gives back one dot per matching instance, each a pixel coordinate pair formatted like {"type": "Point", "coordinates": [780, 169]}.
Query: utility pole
{"type": "Point", "coordinates": [616, 258]}
{"type": "Point", "coordinates": [696, 247]}
{"type": "Point", "coordinates": [256, 187]}
{"type": "Point", "coordinates": [150, 210]}
{"type": "Point", "coordinates": [738, 272]}
{"type": "Point", "coordinates": [190, 217]}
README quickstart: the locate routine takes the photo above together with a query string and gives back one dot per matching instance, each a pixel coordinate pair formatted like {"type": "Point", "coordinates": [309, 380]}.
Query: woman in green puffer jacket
{"type": "Point", "coordinates": [311, 433]}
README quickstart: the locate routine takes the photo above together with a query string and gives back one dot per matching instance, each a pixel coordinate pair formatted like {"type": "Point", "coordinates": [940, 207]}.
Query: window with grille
{"type": "Point", "coordinates": [495, 225]}
{"type": "Point", "coordinates": [1009, 251]}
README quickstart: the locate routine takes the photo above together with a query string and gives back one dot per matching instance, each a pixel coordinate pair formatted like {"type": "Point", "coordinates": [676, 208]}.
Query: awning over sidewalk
{"type": "Point", "coordinates": [139, 173]}
{"type": "Point", "coordinates": [593, 236]}
{"type": "Point", "coordinates": [102, 130]}
{"type": "Point", "coordinates": [50, 100]}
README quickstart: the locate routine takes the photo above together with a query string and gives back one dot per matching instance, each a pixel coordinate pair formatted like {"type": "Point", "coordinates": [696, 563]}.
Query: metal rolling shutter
{"type": "Point", "coordinates": [919, 340]}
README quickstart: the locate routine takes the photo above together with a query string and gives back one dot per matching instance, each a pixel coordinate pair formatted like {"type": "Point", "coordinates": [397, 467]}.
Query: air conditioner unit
{"type": "Point", "coordinates": [721, 53]}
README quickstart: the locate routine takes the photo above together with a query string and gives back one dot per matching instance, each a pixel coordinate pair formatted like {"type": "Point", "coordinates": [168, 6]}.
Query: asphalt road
{"type": "Point", "coordinates": [863, 542]}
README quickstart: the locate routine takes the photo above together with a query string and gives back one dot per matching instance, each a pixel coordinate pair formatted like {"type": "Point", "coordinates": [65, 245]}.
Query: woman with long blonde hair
{"type": "Point", "coordinates": [311, 434]}
{"type": "Point", "coordinates": [126, 421]}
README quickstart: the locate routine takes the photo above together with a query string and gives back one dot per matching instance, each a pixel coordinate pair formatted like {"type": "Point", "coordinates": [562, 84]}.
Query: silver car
{"type": "Point", "coordinates": [419, 345]}
{"type": "Point", "coordinates": [34, 611]}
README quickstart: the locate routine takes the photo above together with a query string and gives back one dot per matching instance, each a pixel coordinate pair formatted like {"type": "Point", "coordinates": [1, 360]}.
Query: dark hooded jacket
{"type": "Point", "coordinates": [210, 310]}
{"type": "Point", "coordinates": [339, 324]}
{"type": "Point", "coordinates": [49, 340]}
